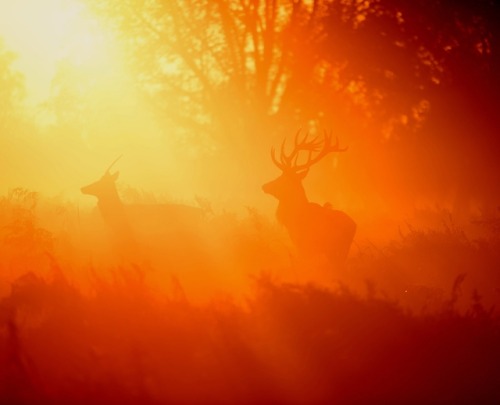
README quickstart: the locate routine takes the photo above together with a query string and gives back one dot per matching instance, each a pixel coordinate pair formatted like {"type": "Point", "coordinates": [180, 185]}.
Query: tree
{"type": "Point", "coordinates": [222, 67]}
{"type": "Point", "coordinates": [430, 73]}
{"type": "Point", "coordinates": [11, 89]}
{"type": "Point", "coordinates": [392, 77]}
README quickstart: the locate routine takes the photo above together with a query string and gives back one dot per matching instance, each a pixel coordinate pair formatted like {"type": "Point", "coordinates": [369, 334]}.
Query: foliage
{"type": "Point", "coordinates": [403, 54]}
{"type": "Point", "coordinates": [135, 333]}
{"type": "Point", "coordinates": [22, 230]}
{"type": "Point", "coordinates": [11, 88]}
{"type": "Point", "coordinates": [291, 344]}
{"type": "Point", "coordinates": [431, 269]}
{"type": "Point", "coordinates": [308, 58]}
{"type": "Point", "coordinates": [410, 85]}
{"type": "Point", "coordinates": [214, 67]}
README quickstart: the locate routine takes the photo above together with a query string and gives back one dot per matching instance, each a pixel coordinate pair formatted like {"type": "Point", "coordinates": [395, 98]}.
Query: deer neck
{"type": "Point", "coordinates": [111, 207]}
{"type": "Point", "coordinates": [290, 210]}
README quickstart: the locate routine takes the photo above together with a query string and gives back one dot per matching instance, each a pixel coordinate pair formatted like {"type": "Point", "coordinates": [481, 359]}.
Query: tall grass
{"type": "Point", "coordinates": [404, 323]}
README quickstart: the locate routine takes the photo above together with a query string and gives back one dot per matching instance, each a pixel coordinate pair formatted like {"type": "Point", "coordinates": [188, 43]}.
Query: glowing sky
{"type": "Point", "coordinates": [44, 32]}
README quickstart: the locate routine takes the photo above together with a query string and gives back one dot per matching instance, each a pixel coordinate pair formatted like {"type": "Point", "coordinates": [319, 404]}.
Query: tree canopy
{"type": "Point", "coordinates": [11, 88]}
{"type": "Point", "coordinates": [414, 82]}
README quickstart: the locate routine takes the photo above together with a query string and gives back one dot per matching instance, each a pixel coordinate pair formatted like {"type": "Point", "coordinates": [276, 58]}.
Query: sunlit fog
{"type": "Point", "coordinates": [249, 201]}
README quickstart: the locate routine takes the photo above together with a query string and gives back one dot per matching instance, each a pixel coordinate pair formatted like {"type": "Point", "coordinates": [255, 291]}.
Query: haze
{"type": "Point", "coordinates": [85, 106]}
{"type": "Point", "coordinates": [58, 45]}
{"type": "Point", "coordinates": [249, 201]}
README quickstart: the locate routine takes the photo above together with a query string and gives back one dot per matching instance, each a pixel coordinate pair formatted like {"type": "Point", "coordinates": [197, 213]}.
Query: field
{"type": "Point", "coordinates": [237, 319]}
{"type": "Point", "coordinates": [249, 202]}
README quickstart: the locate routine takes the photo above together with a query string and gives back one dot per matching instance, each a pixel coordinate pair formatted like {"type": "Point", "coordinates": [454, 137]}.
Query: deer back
{"type": "Point", "coordinates": [143, 223]}
{"type": "Point", "coordinates": [321, 230]}
{"type": "Point", "coordinates": [155, 219]}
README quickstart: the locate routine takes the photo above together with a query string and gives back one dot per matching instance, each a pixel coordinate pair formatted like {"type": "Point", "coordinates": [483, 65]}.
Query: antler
{"type": "Point", "coordinates": [321, 146]}
{"type": "Point", "coordinates": [112, 164]}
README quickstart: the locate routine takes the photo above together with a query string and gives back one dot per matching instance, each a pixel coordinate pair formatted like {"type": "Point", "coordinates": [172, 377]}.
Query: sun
{"type": "Point", "coordinates": [44, 32]}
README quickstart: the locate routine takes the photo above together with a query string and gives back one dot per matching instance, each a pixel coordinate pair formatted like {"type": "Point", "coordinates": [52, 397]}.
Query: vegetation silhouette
{"type": "Point", "coordinates": [316, 231]}
{"type": "Point", "coordinates": [214, 314]}
{"type": "Point", "coordinates": [188, 249]}
{"type": "Point", "coordinates": [119, 338]}
{"type": "Point", "coordinates": [392, 74]}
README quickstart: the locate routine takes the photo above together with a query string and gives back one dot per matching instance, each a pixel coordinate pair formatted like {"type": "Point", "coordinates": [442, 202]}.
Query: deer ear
{"type": "Point", "coordinates": [115, 175]}
{"type": "Point", "coordinates": [303, 174]}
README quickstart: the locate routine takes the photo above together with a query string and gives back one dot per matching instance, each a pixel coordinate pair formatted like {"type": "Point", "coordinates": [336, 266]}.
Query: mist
{"type": "Point", "coordinates": [277, 202]}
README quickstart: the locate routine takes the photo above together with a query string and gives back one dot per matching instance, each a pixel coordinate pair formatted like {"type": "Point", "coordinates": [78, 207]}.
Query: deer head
{"type": "Point", "coordinates": [288, 186]}
{"type": "Point", "coordinates": [104, 188]}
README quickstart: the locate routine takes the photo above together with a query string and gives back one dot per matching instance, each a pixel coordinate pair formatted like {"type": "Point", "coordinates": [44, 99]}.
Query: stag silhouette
{"type": "Point", "coordinates": [316, 231]}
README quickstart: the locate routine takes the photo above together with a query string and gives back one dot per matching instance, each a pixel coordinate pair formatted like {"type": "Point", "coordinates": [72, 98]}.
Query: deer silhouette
{"type": "Point", "coordinates": [314, 230]}
{"type": "Point", "coordinates": [108, 201]}
{"type": "Point", "coordinates": [128, 221]}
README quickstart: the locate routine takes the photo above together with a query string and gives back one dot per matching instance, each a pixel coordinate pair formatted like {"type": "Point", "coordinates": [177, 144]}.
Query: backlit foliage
{"type": "Point", "coordinates": [11, 86]}
{"type": "Point", "coordinates": [178, 284]}
{"type": "Point", "coordinates": [78, 325]}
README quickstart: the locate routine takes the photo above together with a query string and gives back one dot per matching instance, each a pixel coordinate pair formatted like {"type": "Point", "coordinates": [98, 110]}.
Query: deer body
{"type": "Point", "coordinates": [314, 230]}
{"type": "Point", "coordinates": [130, 222]}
